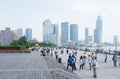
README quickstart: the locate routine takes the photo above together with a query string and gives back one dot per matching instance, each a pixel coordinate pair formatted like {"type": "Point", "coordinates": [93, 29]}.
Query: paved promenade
{"type": "Point", "coordinates": [105, 70]}
{"type": "Point", "coordinates": [32, 66]}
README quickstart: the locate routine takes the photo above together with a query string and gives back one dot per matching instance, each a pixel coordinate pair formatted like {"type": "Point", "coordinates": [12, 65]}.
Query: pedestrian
{"type": "Point", "coordinates": [70, 62]}
{"type": "Point", "coordinates": [106, 57]}
{"type": "Point", "coordinates": [67, 51]}
{"type": "Point", "coordinates": [119, 61]}
{"type": "Point", "coordinates": [94, 66]}
{"type": "Point", "coordinates": [74, 61]}
{"type": "Point", "coordinates": [56, 54]}
{"type": "Point", "coordinates": [114, 58]}
{"type": "Point", "coordinates": [76, 52]}
{"type": "Point", "coordinates": [89, 61]}
{"type": "Point", "coordinates": [81, 63]}
{"type": "Point", "coordinates": [84, 59]}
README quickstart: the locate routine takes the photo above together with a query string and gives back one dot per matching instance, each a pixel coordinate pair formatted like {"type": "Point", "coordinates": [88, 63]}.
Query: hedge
{"type": "Point", "coordinates": [10, 47]}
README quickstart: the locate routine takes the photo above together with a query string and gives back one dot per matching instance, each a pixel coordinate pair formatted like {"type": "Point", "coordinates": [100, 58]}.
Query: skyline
{"type": "Point", "coordinates": [31, 14]}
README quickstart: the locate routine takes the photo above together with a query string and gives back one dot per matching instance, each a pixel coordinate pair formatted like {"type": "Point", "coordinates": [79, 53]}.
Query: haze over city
{"type": "Point", "coordinates": [32, 13]}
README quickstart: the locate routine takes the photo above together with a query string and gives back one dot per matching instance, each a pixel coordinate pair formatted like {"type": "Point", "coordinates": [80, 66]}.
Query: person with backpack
{"type": "Point", "coordinates": [70, 62]}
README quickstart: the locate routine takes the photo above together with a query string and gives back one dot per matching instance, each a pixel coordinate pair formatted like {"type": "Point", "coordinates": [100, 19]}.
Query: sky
{"type": "Point", "coordinates": [32, 13]}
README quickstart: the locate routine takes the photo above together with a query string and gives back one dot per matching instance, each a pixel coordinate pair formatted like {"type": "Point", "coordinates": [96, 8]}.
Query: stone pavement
{"type": "Point", "coordinates": [32, 66]}
{"type": "Point", "coordinates": [105, 70]}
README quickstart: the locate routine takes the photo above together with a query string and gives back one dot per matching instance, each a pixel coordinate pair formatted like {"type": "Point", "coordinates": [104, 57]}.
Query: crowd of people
{"type": "Point", "coordinates": [83, 59]}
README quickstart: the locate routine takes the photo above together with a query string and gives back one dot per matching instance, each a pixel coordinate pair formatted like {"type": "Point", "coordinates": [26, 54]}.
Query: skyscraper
{"type": "Point", "coordinates": [86, 35]}
{"type": "Point", "coordinates": [115, 40]}
{"type": "Point", "coordinates": [50, 32]}
{"type": "Point", "coordinates": [64, 32]}
{"type": "Point", "coordinates": [19, 33]}
{"type": "Point", "coordinates": [28, 34]}
{"type": "Point", "coordinates": [74, 32]}
{"type": "Point", "coordinates": [98, 31]}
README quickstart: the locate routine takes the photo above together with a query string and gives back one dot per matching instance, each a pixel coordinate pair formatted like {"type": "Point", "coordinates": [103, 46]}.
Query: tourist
{"type": "Point", "coordinates": [119, 61]}
{"type": "Point", "coordinates": [56, 54]}
{"type": "Point", "coordinates": [67, 51]}
{"type": "Point", "coordinates": [106, 57]}
{"type": "Point", "coordinates": [114, 58]}
{"type": "Point", "coordinates": [94, 66]}
{"type": "Point", "coordinates": [70, 62]}
{"type": "Point", "coordinates": [74, 61]}
{"type": "Point", "coordinates": [81, 62]}
{"type": "Point", "coordinates": [84, 59]}
{"type": "Point", "coordinates": [42, 53]}
{"type": "Point", "coordinates": [89, 61]}
{"type": "Point", "coordinates": [75, 52]}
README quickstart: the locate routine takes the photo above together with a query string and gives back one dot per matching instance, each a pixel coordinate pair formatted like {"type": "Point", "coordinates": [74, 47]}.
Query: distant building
{"type": "Point", "coordinates": [98, 31]}
{"type": "Point", "coordinates": [28, 34]}
{"type": "Point", "coordinates": [115, 40]}
{"type": "Point", "coordinates": [7, 36]}
{"type": "Point", "coordinates": [89, 38]}
{"type": "Point", "coordinates": [64, 32]}
{"type": "Point", "coordinates": [19, 33]}
{"type": "Point", "coordinates": [86, 35]}
{"type": "Point", "coordinates": [74, 32]}
{"type": "Point", "coordinates": [33, 40]}
{"type": "Point", "coordinates": [50, 32]}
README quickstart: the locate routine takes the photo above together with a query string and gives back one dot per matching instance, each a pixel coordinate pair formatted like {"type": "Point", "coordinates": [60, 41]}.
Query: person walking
{"type": "Point", "coordinates": [94, 66]}
{"type": "Point", "coordinates": [56, 54]}
{"type": "Point", "coordinates": [84, 59]}
{"type": "Point", "coordinates": [70, 62]}
{"type": "Point", "coordinates": [106, 57]}
{"type": "Point", "coordinates": [74, 61]}
{"type": "Point", "coordinates": [114, 58]}
{"type": "Point", "coordinates": [119, 61]}
{"type": "Point", "coordinates": [81, 62]}
{"type": "Point", "coordinates": [89, 61]}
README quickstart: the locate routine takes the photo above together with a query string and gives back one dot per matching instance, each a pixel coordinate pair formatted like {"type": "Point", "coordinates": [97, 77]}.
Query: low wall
{"type": "Point", "coordinates": [15, 51]}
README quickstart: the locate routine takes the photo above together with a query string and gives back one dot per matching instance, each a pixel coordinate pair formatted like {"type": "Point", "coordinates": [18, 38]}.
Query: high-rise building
{"type": "Point", "coordinates": [98, 31]}
{"type": "Point", "coordinates": [28, 34]}
{"type": "Point", "coordinates": [7, 36]}
{"type": "Point", "coordinates": [89, 38]}
{"type": "Point", "coordinates": [86, 35]}
{"type": "Point", "coordinates": [50, 32]}
{"type": "Point", "coordinates": [115, 40]}
{"type": "Point", "coordinates": [64, 32]}
{"type": "Point", "coordinates": [74, 32]}
{"type": "Point", "coordinates": [47, 29]}
{"type": "Point", "coordinates": [19, 33]}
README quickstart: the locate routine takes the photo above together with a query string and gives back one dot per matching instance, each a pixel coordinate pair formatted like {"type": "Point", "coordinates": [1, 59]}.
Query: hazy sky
{"type": "Point", "coordinates": [31, 14]}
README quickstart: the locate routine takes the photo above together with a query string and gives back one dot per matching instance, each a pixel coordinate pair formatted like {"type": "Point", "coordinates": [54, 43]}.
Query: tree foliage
{"type": "Point", "coordinates": [22, 42]}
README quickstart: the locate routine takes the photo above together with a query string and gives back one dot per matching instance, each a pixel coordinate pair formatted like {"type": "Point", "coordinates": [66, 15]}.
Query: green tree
{"type": "Point", "coordinates": [14, 43]}
{"type": "Point", "coordinates": [22, 42]}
